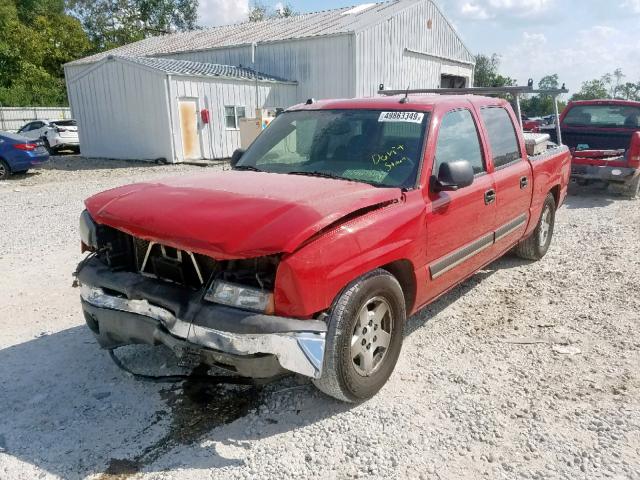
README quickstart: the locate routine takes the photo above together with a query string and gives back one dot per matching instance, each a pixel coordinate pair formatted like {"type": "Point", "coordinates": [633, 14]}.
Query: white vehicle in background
{"type": "Point", "coordinates": [56, 134]}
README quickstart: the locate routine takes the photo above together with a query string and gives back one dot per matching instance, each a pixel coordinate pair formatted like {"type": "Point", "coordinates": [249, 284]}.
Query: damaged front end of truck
{"type": "Point", "coordinates": [214, 312]}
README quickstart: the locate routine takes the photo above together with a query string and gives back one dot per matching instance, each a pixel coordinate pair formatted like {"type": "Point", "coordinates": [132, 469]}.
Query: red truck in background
{"type": "Point", "coordinates": [340, 220]}
{"type": "Point", "coordinates": [604, 138]}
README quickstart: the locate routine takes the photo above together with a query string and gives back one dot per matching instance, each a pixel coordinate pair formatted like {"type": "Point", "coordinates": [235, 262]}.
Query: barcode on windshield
{"type": "Point", "coordinates": [411, 117]}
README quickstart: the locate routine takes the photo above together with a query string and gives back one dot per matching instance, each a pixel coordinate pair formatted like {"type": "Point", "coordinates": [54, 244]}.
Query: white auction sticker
{"type": "Point", "coordinates": [411, 117]}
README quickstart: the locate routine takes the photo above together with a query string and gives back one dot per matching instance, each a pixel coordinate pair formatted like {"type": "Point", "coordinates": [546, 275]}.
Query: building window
{"type": "Point", "coordinates": [232, 117]}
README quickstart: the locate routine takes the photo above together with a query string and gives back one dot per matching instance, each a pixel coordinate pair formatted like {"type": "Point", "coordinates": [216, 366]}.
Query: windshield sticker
{"type": "Point", "coordinates": [410, 117]}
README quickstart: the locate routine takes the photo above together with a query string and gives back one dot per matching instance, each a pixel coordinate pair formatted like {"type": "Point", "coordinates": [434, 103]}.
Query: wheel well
{"type": "Point", "coordinates": [556, 194]}
{"type": "Point", "coordinates": [404, 273]}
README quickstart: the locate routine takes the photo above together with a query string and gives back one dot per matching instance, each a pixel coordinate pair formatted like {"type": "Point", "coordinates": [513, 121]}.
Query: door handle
{"type": "Point", "coordinates": [524, 183]}
{"type": "Point", "coordinates": [489, 196]}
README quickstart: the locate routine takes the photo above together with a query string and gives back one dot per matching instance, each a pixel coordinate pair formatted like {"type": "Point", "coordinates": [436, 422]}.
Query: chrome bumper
{"type": "Point", "coordinates": [300, 352]}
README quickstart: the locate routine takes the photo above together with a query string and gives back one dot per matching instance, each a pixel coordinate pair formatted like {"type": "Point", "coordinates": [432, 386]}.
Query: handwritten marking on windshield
{"type": "Point", "coordinates": [377, 158]}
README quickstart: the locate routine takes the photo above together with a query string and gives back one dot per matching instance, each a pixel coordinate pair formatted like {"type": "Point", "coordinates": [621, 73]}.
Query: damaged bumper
{"type": "Point", "coordinates": [123, 308]}
{"type": "Point", "coordinates": [603, 173]}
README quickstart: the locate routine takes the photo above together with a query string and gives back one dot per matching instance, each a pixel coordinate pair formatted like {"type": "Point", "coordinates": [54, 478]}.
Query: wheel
{"type": "Point", "coordinates": [5, 171]}
{"type": "Point", "coordinates": [537, 244]}
{"type": "Point", "coordinates": [364, 338]}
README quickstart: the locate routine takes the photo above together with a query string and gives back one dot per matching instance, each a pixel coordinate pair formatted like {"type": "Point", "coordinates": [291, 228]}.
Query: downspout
{"type": "Point", "coordinates": [171, 130]}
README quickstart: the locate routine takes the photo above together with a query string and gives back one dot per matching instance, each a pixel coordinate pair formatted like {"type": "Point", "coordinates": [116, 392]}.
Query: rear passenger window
{"type": "Point", "coordinates": [458, 140]}
{"type": "Point", "coordinates": [502, 136]}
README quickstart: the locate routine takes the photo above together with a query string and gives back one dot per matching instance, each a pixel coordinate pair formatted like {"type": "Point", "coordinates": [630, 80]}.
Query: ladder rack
{"type": "Point", "coordinates": [516, 91]}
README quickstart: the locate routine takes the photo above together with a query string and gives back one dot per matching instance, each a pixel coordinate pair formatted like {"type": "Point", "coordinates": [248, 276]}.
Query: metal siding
{"type": "Point", "coordinates": [323, 67]}
{"type": "Point", "coordinates": [382, 56]}
{"type": "Point", "coordinates": [121, 112]}
{"type": "Point", "coordinates": [13, 118]}
{"type": "Point", "coordinates": [218, 142]}
{"type": "Point", "coordinates": [310, 25]}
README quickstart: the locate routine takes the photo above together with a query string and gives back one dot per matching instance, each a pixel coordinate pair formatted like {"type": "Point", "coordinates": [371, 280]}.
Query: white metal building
{"type": "Point", "coordinates": [144, 100]}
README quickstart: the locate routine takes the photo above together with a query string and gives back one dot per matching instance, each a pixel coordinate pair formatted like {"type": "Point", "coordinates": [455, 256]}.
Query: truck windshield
{"type": "Point", "coordinates": [612, 116]}
{"type": "Point", "coordinates": [371, 146]}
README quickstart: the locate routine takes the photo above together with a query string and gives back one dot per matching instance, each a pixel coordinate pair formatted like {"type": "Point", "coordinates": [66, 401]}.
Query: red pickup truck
{"type": "Point", "coordinates": [339, 221]}
{"type": "Point", "coordinates": [604, 138]}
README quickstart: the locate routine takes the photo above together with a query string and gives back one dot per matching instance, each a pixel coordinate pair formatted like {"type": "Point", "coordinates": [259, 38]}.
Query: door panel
{"type": "Point", "coordinates": [459, 223]}
{"type": "Point", "coordinates": [512, 175]}
{"type": "Point", "coordinates": [459, 234]}
{"type": "Point", "coordinates": [190, 134]}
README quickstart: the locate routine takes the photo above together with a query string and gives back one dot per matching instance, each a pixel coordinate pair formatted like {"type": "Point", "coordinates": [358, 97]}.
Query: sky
{"type": "Point", "coordinates": [577, 39]}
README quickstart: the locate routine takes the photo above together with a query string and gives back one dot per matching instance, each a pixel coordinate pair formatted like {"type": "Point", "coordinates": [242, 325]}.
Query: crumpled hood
{"type": "Point", "coordinates": [234, 214]}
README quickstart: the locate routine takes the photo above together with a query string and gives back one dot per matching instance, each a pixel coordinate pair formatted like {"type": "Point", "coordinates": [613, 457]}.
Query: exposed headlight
{"type": "Point", "coordinates": [240, 296]}
{"type": "Point", "coordinates": [88, 232]}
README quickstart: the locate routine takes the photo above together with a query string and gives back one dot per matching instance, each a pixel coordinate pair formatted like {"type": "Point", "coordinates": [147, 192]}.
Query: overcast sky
{"type": "Point", "coordinates": [578, 39]}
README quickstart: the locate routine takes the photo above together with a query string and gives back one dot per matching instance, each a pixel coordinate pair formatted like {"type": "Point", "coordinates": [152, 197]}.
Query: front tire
{"type": "Point", "coordinates": [364, 339]}
{"type": "Point", "coordinates": [536, 246]}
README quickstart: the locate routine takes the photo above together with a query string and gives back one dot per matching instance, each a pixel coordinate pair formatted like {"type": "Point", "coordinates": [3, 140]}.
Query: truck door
{"type": "Point", "coordinates": [512, 175]}
{"type": "Point", "coordinates": [459, 223]}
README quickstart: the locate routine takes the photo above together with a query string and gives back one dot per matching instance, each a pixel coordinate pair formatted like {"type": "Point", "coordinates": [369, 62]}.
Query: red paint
{"type": "Point", "coordinates": [204, 116]}
{"type": "Point", "coordinates": [330, 232]}
{"type": "Point", "coordinates": [604, 157]}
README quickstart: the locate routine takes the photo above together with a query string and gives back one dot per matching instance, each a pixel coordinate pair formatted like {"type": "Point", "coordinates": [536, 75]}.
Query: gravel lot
{"type": "Point", "coordinates": [525, 371]}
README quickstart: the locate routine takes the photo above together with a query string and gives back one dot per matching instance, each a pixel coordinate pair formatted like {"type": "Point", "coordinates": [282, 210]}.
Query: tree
{"type": "Point", "coordinates": [592, 90]}
{"type": "Point", "coordinates": [112, 23]}
{"type": "Point", "coordinates": [486, 72]}
{"type": "Point", "coordinates": [285, 11]}
{"type": "Point", "coordinates": [37, 39]}
{"type": "Point", "coordinates": [629, 91]}
{"type": "Point", "coordinates": [260, 11]}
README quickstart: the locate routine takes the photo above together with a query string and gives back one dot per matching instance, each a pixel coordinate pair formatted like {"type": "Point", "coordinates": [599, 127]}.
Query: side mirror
{"type": "Point", "coordinates": [235, 158]}
{"type": "Point", "coordinates": [453, 176]}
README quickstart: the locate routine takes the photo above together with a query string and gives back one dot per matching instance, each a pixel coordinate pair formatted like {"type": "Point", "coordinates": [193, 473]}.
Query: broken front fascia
{"type": "Point", "coordinates": [300, 352]}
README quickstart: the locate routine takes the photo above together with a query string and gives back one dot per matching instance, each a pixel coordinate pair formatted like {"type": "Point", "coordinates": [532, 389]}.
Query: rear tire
{"type": "Point", "coordinates": [536, 246]}
{"type": "Point", "coordinates": [5, 171]}
{"type": "Point", "coordinates": [363, 343]}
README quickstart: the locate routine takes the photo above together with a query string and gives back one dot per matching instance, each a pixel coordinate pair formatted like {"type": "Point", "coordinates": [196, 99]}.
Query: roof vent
{"type": "Point", "coordinates": [359, 9]}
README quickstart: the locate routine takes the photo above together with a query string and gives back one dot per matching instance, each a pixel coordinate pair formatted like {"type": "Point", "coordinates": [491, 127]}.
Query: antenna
{"type": "Point", "coordinates": [406, 96]}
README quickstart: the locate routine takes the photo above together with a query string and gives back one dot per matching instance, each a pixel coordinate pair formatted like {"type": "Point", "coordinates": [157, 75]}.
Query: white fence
{"type": "Point", "coordinates": [12, 118]}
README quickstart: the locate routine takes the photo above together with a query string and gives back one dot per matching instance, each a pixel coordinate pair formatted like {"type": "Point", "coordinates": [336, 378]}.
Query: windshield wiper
{"type": "Point", "coordinates": [319, 174]}
{"type": "Point", "coordinates": [247, 167]}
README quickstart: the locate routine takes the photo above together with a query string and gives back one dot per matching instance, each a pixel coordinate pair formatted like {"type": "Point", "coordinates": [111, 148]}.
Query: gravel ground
{"type": "Point", "coordinates": [528, 370]}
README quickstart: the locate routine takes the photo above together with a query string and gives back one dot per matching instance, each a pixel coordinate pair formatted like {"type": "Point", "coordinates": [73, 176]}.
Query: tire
{"type": "Point", "coordinates": [5, 171]}
{"type": "Point", "coordinates": [537, 244]}
{"type": "Point", "coordinates": [354, 373]}
{"type": "Point", "coordinates": [47, 146]}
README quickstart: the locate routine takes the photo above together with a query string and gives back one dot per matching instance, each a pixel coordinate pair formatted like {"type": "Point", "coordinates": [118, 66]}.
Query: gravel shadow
{"type": "Point", "coordinates": [68, 410]}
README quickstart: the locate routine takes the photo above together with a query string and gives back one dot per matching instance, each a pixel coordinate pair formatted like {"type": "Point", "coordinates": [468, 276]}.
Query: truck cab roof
{"type": "Point", "coordinates": [415, 102]}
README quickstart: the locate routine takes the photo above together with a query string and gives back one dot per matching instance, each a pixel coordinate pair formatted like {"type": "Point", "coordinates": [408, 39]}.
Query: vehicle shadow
{"type": "Point", "coordinates": [69, 410]}
{"type": "Point", "coordinates": [590, 196]}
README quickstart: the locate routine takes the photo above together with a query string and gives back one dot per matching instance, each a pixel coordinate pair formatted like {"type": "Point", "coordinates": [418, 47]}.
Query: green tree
{"type": "Point", "coordinates": [486, 72]}
{"type": "Point", "coordinates": [629, 91]}
{"type": "Point", "coordinates": [285, 11]}
{"type": "Point", "coordinates": [37, 39]}
{"type": "Point", "coordinates": [112, 23]}
{"type": "Point", "coordinates": [592, 90]}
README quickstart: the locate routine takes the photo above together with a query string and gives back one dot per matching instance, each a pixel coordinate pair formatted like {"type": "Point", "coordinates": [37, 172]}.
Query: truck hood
{"type": "Point", "coordinates": [234, 214]}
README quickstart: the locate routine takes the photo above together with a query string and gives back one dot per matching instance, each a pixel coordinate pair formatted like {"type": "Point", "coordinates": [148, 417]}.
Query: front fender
{"type": "Point", "coordinates": [308, 280]}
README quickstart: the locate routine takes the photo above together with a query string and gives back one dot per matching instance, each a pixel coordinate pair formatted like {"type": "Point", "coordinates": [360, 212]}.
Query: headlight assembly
{"type": "Point", "coordinates": [240, 296]}
{"type": "Point", "coordinates": [88, 232]}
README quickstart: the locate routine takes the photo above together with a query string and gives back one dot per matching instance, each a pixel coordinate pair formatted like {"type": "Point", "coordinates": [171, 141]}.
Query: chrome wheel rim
{"type": "Point", "coordinates": [545, 227]}
{"type": "Point", "coordinates": [3, 171]}
{"type": "Point", "coordinates": [371, 336]}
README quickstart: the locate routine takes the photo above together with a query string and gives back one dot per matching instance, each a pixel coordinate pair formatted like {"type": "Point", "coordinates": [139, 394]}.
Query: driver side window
{"type": "Point", "coordinates": [458, 140]}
